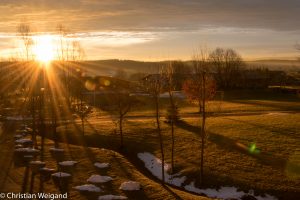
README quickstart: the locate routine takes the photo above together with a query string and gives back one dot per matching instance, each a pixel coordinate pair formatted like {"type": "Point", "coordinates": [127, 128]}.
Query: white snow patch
{"type": "Point", "coordinates": [101, 165]}
{"type": "Point", "coordinates": [225, 192]}
{"type": "Point", "coordinates": [46, 169]}
{"type": "Point", "coordinates": [176, 94]}
{"type": "Point", "coordinates": [111, 197]}
{"type": "Point", "coordinates": [28, 150]}
{"type": "Point", "coordinates": [88, 188]}
{"type": "Point", "coordinates": [99, 179]}
{"type": "Point", "coordinates": [18, 118]}
{"type": "Point", "coordinates": [130, 186]}
{"type": "Point", "coordinates": [61, 174]}
{"type": "Point", "coordinates": [22, 141]}
{"type": "Point", "coordinates": [37, 162]}
{"type": "Point", "coordinates": [68, 163]}
{"type": "Point", "coordinates": [154, 165]}
{"type": "Point", "coordinates": [18, 136]}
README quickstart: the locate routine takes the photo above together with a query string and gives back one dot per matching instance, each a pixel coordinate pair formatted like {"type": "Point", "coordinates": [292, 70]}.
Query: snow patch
{"type": "Point", "coordinates": [225, 192]}
{"type": "Point", "coordinates": [23, 141]}
{"type": "Point", "coordinates": [17, 118]}
{"type": "Point", "coordinates": [99, 179]}
{"type": "Point", "coordinates": [18, 136]}
{"type": "Point", "coordinates": [88, 188]}
{"type": "Point", "coordinates": [68, 163]}
{"type": "Point", "coordinates": [101, 165]}
{"type": "Point", "coordinates": [27, 150]}
{"type": "Point", "coordinates": [154, 165]}
{"type": "Point", "coordinates": [46, 169]}
{"type": "Point", "coordinates": [37, 162]}
{"type": "Point", "coordinates": [61, 174]}
{"type": "Point", "coordinates": [111, 197]}
{"type": "Point", "coordinates": [130, 186]}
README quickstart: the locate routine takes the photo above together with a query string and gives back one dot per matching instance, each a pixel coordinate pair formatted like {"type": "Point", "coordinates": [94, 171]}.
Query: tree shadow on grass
{"type": "Point", "coordinates": [277, 105]}
{"type": "Point", "coordinates": [188, 127]}
{"type": "Point", "coordinates": [236, 146]}
{"type": "Point", "coordinates": [278, 130]}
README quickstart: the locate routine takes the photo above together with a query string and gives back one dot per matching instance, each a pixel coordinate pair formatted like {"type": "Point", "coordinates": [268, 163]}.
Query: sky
{"type": "Point", "coordinates": [160, 29]}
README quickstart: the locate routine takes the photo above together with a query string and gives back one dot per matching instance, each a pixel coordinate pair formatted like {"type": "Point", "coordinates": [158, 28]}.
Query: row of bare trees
{"type": "Point", "coordinates": [199, 86]}
{"type": "Point", "coordinates": [40, 98]}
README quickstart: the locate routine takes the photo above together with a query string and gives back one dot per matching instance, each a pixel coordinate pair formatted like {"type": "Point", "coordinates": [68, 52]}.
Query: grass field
{"type": "Point", "coordinates": [252, 143]}
{"type": "Point", "coordinates": [120, 170]}
{"type": "Point", "coordinates": [270, 127]}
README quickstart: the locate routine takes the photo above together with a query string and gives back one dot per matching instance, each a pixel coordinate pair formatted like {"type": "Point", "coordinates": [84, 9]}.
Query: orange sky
{"type": "Point", "coordinates": [156, 30]}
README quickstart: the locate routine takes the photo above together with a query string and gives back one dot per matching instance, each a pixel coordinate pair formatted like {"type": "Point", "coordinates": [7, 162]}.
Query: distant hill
{"type": "Point", "coordinates": [111, 67]}
{"type": "Point", "coordinates": [284, 65]}
{"type": "Point", "coordinates": [129, 67]}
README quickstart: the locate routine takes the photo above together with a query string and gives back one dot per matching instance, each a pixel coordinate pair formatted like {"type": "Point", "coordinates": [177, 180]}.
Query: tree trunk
{"type": "Point", "coordinates": [82, 126]}
{"type": "Point", "coordinates": [82, 115]}
{"type": "Point", "coordinates": [54, 131]}
{"type": "Point", "coordinates": [202, 128]}
{"type": "Point", "coordinates": [160, 140]}
{"type": "Point", "coordinates": [172, 148]}
{"type": "Point", "coordinates": [200, 106]}
{"type": "Point", "coordinates": [42, 125]}
{"type": "Point", "coordinates": [54, 122]}
{"type": "Point", "coordinates": [121, 132]}
{"type": "Point", "coordinates": [172, 130]}
{"type": "Point", "coordinates": [33, 123]}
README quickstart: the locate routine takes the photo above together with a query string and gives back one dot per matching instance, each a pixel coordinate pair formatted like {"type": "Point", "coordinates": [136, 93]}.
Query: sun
{"type": "Point", "coordinates": [44, 48]}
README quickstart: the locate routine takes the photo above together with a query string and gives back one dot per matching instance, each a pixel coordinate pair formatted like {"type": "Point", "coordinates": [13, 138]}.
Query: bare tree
{"type": "Point", "coordinates": [228, 64]}
{"type": "Point", "coordinates": [24, 31]}
{"type": "Point", "coordinates": [82, 110]}
{"type": "Point", "coordinates": [122, 104]}
{"type": "Point", "coordinates": [63, 43]}
{"type": "Point", "coordinates": [201, 88]}
{"type": "Point", "coordinates": [154, 86]}
{"type": "Point", "coordinates": [77, 52]}
{"type": "Point", "coordinates": [168, 75]}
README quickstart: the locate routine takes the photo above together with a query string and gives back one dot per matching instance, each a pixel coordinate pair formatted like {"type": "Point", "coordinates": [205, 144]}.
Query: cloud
{"type": "Point", "coordinates": [154, 15]}
{"type": "Point", "coordinates": [144, 29]}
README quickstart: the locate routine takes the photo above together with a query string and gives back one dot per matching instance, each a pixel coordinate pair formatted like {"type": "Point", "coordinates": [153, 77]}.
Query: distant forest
{"type": "Point", "coordinates": [111, 67]}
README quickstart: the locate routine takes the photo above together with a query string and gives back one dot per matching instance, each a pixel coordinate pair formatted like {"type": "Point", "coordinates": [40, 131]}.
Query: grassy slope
{"type": "Point", "coordinates": [121, 170]}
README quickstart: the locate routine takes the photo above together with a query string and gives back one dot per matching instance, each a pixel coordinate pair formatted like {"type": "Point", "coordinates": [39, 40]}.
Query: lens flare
{"type": "Point", "coordinates": [253, 149]}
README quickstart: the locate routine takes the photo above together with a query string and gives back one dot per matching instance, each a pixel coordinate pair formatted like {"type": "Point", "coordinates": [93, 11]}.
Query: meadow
{"type": "Point", "coordinates": [252, 143]}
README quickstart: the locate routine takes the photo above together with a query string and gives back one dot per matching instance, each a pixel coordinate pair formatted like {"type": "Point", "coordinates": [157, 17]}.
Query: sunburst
{"type": "Point", "coordinates": [43, 49]}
